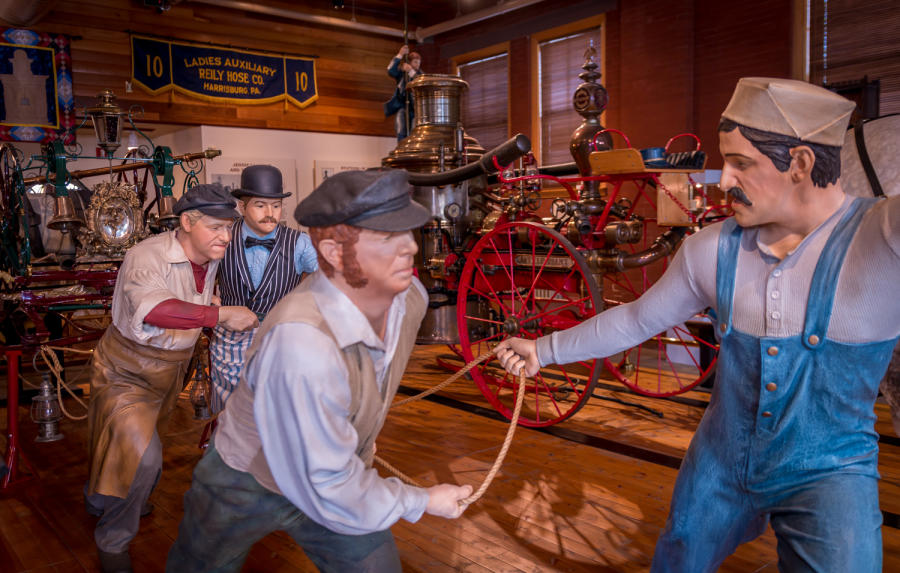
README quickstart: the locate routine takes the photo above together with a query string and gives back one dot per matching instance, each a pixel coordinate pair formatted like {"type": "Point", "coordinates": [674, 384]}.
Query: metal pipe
{"type": "Point", "coordinates": [505, 153]}
{"type": "Point", "coordinates": [208, 154]}
{"type": "Point", "coordinates": [661, 247]}
{"type": "Point", "coordinates": [297, 15]}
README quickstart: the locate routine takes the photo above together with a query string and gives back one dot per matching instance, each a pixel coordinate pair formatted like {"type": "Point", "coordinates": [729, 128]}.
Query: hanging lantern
{"type": "Point", "coordinates": [46, 412]}
{"type": "Point", "coordinates": [107, 119]}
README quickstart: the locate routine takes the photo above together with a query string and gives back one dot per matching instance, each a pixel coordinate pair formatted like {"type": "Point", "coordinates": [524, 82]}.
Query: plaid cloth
{"type": "Point", "coordinates": [226, 360]}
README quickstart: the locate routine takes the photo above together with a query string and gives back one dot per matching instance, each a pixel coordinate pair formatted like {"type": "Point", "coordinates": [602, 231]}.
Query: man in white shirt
{"type": "Point", "coordinates": [296, 441]}
{"type": "Point", "coordinates": [161, 301]}
{"type": "Point", "coordinates": [802, 283]}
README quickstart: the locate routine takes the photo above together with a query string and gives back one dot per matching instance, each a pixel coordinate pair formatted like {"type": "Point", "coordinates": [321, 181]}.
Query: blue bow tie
{"type": "Point", "coordinates": [254, 242]}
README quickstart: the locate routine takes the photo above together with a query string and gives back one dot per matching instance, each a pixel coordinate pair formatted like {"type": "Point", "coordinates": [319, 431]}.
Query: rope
{"type": "Point", "coordinates": [49, 356]}
{"type": "Point", "coordinates": [507, 442]}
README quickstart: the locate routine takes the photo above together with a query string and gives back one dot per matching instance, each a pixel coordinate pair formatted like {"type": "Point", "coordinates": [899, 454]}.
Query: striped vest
{"type": "Point", "coordinates": [279, 277]}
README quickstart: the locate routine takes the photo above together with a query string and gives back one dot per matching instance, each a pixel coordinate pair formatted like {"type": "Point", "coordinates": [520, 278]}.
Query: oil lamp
{"type": "Point", "coordinates": [107, 119]}
{"type": "Point", "coordinates": [46, 412]}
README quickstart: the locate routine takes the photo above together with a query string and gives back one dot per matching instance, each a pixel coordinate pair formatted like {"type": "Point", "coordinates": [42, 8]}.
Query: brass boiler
{"type": "Point", "coordinates": [439, 143]}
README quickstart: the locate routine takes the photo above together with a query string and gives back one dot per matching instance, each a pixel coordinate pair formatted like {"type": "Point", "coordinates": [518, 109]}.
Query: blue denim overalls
{"type": "Point", "coordinates": [788, 437]}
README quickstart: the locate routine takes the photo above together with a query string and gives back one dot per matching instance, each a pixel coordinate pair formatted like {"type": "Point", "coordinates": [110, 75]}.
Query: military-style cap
{"type": "Point", "coordinates": [261, 181]}
{"type": "Point", "coordinates": [790, 107]}
{"type": "Point", "coordinates": [376, 199]}
{"type": "Point", "coordinates": [210, 199]}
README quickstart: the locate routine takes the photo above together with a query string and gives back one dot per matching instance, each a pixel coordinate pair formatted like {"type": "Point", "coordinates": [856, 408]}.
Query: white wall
{"type": "Point", "coordinates": [306, 150]}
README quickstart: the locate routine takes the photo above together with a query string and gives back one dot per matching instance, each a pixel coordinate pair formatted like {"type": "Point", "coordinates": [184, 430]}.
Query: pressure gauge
{"type": "Point", "coordinates": [453, 211]}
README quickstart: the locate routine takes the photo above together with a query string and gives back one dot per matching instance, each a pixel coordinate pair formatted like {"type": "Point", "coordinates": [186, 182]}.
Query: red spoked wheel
{"type": "Point", "coordinates": [670, 362]}
{"type": "Point", "coordinates": [525, 280]}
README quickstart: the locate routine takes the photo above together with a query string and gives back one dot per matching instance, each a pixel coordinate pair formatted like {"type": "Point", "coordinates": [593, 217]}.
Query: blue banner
{"type": "Point", "coordinates": [221, 74]}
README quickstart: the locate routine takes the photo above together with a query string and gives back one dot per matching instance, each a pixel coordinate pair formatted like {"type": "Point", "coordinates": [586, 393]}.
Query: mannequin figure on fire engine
{"type": "Point", "coordinates": [264, 262]}
{"type": "Point", "coordinates": [404, 68]}
{"type": "Point", "coordinates": [803, 295]}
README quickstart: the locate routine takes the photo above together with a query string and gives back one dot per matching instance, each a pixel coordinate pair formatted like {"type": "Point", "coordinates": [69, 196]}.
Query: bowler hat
{"type": "Point", "coordinates": [261, 181]}
{"type": "Point", "coordinates": [376, 199]}
{"type": "Point", "coordinates": [210, 199]}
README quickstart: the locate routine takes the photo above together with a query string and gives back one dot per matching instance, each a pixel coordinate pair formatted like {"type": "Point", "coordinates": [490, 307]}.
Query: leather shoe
{"type": "Point", "coordinates": [114, 562]}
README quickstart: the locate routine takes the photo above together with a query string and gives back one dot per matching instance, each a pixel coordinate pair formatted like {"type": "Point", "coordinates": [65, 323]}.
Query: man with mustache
{"type": "Point", "coordinates": [161, 301]}
{"type": "Point", "coordinates": [802, 288]}
{"type": "Point", "coordinates": [262, 265]}
{"type": "Point", "coordinates": [295, 444]}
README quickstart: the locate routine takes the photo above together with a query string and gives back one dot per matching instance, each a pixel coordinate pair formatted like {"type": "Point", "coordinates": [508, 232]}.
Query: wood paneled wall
{"type": "Point", "coordinates": [670, 66]}
{"type": "Point", "coordinates": [350, 68]}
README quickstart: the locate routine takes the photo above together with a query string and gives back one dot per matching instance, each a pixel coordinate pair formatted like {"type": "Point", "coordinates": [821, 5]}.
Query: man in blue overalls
{"type": "Point", "coordinates": [803, 287]}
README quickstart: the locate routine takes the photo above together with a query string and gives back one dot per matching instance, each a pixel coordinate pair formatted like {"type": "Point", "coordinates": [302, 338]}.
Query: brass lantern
{"type": "Point", "coordinates": [107, 119]}
{"type": "Point", "coordinates": [46, 413]}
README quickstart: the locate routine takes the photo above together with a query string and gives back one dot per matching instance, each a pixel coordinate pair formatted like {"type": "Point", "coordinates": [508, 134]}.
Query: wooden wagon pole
{"type": "Point", "coordinates": [208, 154]}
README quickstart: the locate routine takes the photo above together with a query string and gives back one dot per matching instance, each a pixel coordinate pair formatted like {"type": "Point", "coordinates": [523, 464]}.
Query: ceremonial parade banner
{"type": "Point", "coordinates": [36, 98]}
{"type": "Point", "coordinates": [222, 74]}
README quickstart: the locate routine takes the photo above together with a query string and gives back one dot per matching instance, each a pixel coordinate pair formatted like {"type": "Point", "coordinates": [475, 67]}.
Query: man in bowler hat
{"type": "Point", "coordinates": [802, 286]}
{"type": "Point", "coordinates": [264, 262]}
{"type": "Point", "coordinates": [295, 444]}
{"type": "Point", "coordinates": [161, 301]}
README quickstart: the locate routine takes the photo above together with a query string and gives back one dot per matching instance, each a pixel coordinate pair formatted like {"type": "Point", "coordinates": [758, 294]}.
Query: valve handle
{"type": "Point", "coordinates": [610, 130]}
{"type": "Point", "coordinates": [697, 139]}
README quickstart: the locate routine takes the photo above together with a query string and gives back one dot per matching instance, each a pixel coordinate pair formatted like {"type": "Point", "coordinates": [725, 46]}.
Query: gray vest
{"type": "Point", "coordinates": [238, 437]}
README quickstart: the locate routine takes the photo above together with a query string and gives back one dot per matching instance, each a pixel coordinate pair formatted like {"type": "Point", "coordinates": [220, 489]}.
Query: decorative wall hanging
{"type": "Point", "coordinates": [222, 74]}
{"type": "Point", "coordinates": [36, 98]}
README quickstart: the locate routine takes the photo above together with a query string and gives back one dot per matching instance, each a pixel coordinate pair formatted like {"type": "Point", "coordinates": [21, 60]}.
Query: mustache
{"type": "Point", "coordinates": [268, 220]}
{"type": "Point", "coordinates": [739, 196]}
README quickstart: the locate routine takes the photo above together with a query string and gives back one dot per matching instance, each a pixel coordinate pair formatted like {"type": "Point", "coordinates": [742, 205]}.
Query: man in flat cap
{"type": "Point", "coordinates": [264, 262]}
{"type": "Point", "coordinates": [295, 444]}
{"type": "Point", "coordinates": [161, 301]}
{"type": "Point", "coordinates": [802, 290]}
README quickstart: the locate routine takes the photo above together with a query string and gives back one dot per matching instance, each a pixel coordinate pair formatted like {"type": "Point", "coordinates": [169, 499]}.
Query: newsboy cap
{"type": "Point", "coordinates": [790, 107]}
{"type": "Point", "coordinates": [376, 199]}
{"type": "Point", "coordinates": [210, 199]}
{"type": "Point", "coordinates": [261, 181]}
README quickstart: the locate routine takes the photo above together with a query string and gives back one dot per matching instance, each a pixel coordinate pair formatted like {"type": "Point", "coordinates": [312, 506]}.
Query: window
{"type": "Point", "coordinates": [850, 40]}
{"type": "Point", "coordinates": [484, 104]}
{"type": "Point", "coordinates": [559, 63]}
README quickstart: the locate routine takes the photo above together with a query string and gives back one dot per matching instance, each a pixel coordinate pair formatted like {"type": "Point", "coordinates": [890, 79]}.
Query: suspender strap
{"type": "Point", "coordinates": [865, 160]}
{"type": "Point", "coordinates": [824, 280]}
{"type": "Point", "coordinates": [726, 269]}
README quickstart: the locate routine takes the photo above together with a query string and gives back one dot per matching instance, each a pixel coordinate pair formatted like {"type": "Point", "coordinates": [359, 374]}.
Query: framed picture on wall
{"type": "Point", "coordinates": [322, 169]}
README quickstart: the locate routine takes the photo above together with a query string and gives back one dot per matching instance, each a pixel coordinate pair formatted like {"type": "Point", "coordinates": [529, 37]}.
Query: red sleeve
{"type": "Point", "coordinates": [181, 315]}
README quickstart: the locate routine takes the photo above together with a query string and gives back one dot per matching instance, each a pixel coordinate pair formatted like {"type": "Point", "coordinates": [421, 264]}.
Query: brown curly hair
{"type": "Point", "coordinates": [346, 236]}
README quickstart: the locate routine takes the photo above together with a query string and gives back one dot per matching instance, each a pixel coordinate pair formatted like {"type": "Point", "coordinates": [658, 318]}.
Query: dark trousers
{"type": "Point", "coordinates": [121, 517]}
{"type": "Point", "coordinates": [226, 511]}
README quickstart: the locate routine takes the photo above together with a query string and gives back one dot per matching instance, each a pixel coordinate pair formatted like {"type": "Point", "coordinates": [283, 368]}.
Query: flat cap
{"type": "Point", "coordinates": [376, 199]}
{"type": "Point", "coordinates": [790, 107]}
{"type": "Point", "coordinates": [210, 199]}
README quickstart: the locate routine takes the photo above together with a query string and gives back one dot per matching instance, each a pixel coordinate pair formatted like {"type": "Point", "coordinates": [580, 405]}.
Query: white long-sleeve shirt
{"type": "Point", "coordinates": [770, 294]}
{"type": "Point", "coordinates": [301, 408]}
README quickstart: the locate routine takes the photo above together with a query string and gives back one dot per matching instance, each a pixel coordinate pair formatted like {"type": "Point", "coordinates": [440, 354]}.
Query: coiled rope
{"type": "Point", "coordinates": [513, 423]}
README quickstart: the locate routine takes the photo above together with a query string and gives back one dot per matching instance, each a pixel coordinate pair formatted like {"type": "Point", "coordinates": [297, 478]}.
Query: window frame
{"type": "Point", "coordinates": [598, 21]}
{"type": "Point", "coordinates": [482, 54]}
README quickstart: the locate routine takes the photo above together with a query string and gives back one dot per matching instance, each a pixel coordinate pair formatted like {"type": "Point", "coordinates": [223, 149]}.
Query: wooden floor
{"type": "Point", "coordinates": [590, 495]}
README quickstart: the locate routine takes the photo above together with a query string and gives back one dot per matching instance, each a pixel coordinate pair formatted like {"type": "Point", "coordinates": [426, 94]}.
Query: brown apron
{"type": "Point", "coordinates": [133, 390]}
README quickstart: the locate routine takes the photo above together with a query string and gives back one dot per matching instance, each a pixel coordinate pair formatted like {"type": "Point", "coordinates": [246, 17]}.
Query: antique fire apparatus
{"type": "Point", "coordinates": [494, 267]}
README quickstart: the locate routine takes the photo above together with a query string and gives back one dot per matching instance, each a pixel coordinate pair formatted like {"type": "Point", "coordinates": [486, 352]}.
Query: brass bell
{"type": "Point", "coordinates": [167, 217]}
{"type": "Point", "coordinates": [64, 219]}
